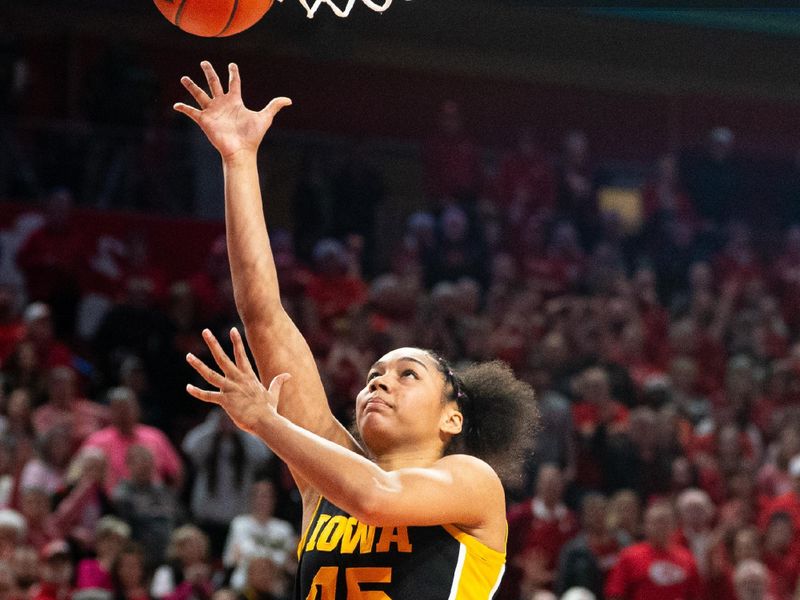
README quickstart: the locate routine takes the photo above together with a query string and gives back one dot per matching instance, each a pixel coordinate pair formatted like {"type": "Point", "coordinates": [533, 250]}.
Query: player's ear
{"type": "Point", "coordinates": [452, 420]}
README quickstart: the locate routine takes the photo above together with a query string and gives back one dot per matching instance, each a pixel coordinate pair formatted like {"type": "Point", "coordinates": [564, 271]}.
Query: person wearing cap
{"type": "Point", "coordinates": [788, 502]}
{"type": "Point", "coordinates": [56, 582]}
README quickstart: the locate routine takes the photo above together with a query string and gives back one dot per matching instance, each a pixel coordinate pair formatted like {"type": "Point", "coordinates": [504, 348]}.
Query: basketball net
{"type": "Point", "coordinates": [343, 12]}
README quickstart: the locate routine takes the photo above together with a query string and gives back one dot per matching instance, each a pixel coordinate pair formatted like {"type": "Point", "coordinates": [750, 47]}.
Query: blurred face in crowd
{"type": "Point", "coordinates": [668, 169]}
{"type": "Point", "coordinates": [746, 545]}
{"type": "Point", "coordinates": [9, 540]}
{"type": "Point", "coordinates": [27, 359]}
{"type": "Point", "coordinates": [57, 447]}
{"type": "Point", "coordinates": [109, 545]}
{"type": "Point", "coordinates": [59, 208]}
{"type": "Point", "coordinates": [57, 570]}
{"type": "Point", "coordinates": [192, 547]}
{"type": "Point", "coordinates": [34, 505]}
{"type": "Point", "coordinates": [8, 582]}
{"type": "Point", "coordinates": [454, 224]}
{"type": "Point", "coordinates": [124, 412]}
{"type": "Point", "coordinates": [576, 148]}
{"type": "Point", "coordinates": [40, 330]}
{"type": "Point", "coordinates": [141, 465]}
{"type": "Point", "coordinates": [18, 409]}
{"type": "Point", "coordinates": [450, 118]}
{"type": "Point", "coordinates": [262, 574]}
{"type": "Point", "coordinates": [779, 534]}
{"type": "Point", "coordinates": [624, 510]}
{"type": "Point", "coordinates": [695, 510]}
{"type": "Point", "coordinates": [549, 484]}
{"type": "Point", "coordinates": [61, 386]}
{"type": "Point", "coordinates": [26, 566]}
{"type": "Point", "coordinates": [595, 386]}
{"type": "Point", "coordinates": [130, 569]}
{"type": "Point", "coordinates": [594, 513]}
{"type": "Point", "coordinates": [262, 498]}
{"type": "Point", "coordinates": [750, 581]}
{"type": "Point", "coordinates": [682, 475]}
{"type": "Point", "coordinates": [683, 374]}
{"type": "Point", "coordinates": [659, 523]}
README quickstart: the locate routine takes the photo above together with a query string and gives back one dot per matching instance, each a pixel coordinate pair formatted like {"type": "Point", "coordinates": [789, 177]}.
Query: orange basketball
{"type": "Point", "coordinates": [213, 18]}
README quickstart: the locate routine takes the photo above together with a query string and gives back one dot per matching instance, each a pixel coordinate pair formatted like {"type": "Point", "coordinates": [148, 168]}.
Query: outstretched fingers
{"type": "Point", "coordinates": [239, 353]}
{"type": "Point", "coordinates": [277, 383]}
{"type": "Point", "coordinates": [198, 93]}
{"type": "Point", "coordinates": [214, 83]}
{"type": "Point", "coordinates": [189, 111]}
{"type": "Point", "coordinates": [234, 80]}
{"type": "Point", "coordinates": [275, 106]}
{"type": "Point", "coordinates": [204, 395]}
{"type": "Point", "coordinates": [222, 360]}
{"type": "Point", "coordinates": [206, 372]}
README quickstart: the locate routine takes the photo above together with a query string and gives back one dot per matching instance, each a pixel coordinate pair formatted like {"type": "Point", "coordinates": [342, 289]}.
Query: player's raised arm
{"type": "Point", "coordinates": [277, 345]}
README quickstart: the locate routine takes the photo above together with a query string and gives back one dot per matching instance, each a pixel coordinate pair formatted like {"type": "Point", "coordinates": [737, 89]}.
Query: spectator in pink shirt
{"type": "Point", "coordinates": [126, 431]}
{"type": "Point", "coordinates": [65, 407]}
{"type": "Point", "coordinates": [112, 535]}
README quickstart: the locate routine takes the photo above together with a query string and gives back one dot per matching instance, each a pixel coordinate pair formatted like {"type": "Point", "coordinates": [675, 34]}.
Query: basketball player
{"type": "Point", "coordinates": [415, 508]}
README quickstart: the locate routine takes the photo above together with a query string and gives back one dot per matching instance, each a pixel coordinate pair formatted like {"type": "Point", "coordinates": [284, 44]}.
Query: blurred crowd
{"type": "Point", "coordinates": [663, 349]}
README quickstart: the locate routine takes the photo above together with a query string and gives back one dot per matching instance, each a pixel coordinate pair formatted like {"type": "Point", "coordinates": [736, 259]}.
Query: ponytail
{"type": "Point", "coordinates": [500, 415]}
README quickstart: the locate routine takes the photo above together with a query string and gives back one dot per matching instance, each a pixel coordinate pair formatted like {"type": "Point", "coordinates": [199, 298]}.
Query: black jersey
{"type": "Point", "coordinates": [343, 559]}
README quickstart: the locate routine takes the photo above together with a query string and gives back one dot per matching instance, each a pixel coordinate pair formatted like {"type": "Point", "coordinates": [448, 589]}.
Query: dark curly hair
{"type": "Point", "coordinates": [501, 417]}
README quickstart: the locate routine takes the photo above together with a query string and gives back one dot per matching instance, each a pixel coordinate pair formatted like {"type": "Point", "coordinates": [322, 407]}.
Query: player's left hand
{"type": "Point", "coordinates": [240, 392]}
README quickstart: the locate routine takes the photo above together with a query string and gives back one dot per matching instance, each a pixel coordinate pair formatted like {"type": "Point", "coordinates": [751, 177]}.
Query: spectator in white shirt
{"type": "Point", "coordinates": [259, 533]}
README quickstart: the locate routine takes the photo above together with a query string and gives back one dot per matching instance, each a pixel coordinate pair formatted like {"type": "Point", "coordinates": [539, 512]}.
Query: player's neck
{"type": "Point", "coordinates": [407, 457]}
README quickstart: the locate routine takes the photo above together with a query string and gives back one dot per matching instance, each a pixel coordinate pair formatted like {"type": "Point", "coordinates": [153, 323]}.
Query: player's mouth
{"type": "Point", "coordinates": [375, 403]}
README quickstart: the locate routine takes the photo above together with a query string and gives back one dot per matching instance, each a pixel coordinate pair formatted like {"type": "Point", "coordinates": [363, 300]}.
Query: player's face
{"type": "Point", "coordinates": [402, 401]}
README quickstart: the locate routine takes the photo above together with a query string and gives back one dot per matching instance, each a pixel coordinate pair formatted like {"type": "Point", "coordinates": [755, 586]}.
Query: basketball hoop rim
{"type": "Point", "coordinates": [377, 6]}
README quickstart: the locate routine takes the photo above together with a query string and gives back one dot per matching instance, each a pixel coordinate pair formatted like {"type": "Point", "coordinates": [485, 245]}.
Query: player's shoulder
{"type": "Point", "coordinates": [461, 465]}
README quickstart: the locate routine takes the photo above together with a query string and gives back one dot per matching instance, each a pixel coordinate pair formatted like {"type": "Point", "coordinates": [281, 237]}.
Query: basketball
{"type": "Point", "coordinates": [213, 18]}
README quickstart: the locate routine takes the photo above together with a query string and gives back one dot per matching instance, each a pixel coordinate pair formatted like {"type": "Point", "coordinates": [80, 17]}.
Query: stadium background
{"type": "Point", "coordinates": [86, 100]}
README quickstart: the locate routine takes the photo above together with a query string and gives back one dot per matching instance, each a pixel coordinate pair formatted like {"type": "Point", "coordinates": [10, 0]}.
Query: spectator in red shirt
{"type": "Point", "coordinates": [695, 533]}
{"type": "Point", "coordinates": [538, 528]}
{"type": "Point", "coordinates": [781, 554]}
{"type": "Point", "coordinates": [654, 569]}
{"type": "Point", "coordinates": [335, 287]}
{"type": "Point", "coordinates": [788, 502]}
{"type": "Point", "coordinates": [39, 330]}
{"type": "Point", "coordinates": [12, 329]}
{"type": "Point", "coordinates": [50, 260]}
{"type": "Point", "coordinates": [596, 415]}
{"type": "Point", "coordinates": [452, 158]}
{"type": "Point", "coordinates": [525, 182]}
{"type": "Point", "coordinates": [773, 475]}
{"type": "Point", "coordinates": [56, 583]}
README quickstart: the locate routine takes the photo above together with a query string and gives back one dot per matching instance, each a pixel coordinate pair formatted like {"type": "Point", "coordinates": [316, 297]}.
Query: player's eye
{"type": "Point", "coordinates": [372, 375]}
{"type": "Point", "coordinates": [409, 372]}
